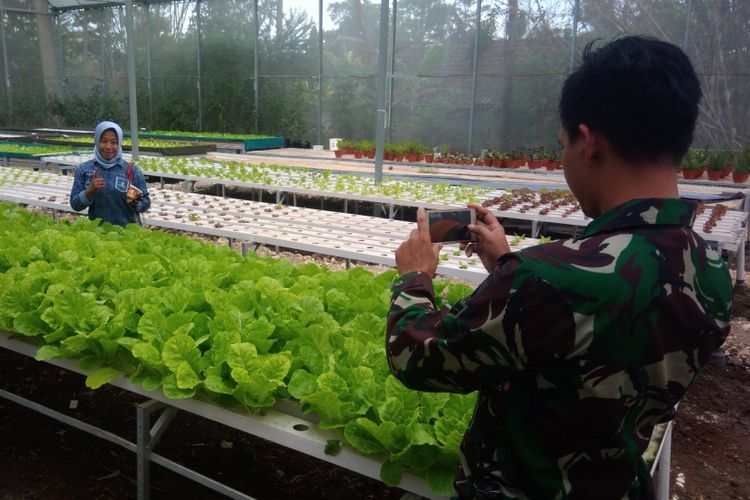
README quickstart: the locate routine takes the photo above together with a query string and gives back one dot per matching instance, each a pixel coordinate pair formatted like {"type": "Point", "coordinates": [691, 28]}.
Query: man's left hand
{"type": "Point", "coordinates": [418, 253]}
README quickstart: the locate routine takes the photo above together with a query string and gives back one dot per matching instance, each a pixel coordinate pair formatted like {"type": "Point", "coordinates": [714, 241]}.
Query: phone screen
{"type": "Point", "coordinates": [450, 225]}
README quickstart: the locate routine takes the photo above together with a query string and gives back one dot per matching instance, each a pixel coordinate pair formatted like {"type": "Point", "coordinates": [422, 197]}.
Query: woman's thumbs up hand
{"type": "Point", "coordinates": [96, 183]}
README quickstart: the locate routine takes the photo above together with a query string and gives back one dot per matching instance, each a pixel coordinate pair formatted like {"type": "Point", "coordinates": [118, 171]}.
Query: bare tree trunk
{"type": "Point", "coordinates": [51, 71]}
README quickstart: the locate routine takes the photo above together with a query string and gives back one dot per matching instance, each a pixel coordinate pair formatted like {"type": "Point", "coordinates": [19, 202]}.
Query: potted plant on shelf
{"type": "Point", "coordinates": [389, 151]}
{"type": "Point", "coordinates": [553, 159]}
{"type": "Point", "coordinates": [537, 157]}
{"type": "Point", "coordinates": [742, 165]}
{"type": "Point", "coordinates": [517, 159]}
{"type": "Point", "coordinates": [399, 151]}
{"type": "Point", "coordinates": [428, 155]}
{"type": "Point", "coordinates": [717, 162]}
{"type": "Point", "coordinates": [346, 147]}
{"type": "Point", "coordinates": [445, 151]}
{"type": "Point", "coordinates": [692, 164]}
{"type": "Point", "coordinates": [416, 151]}
{"type": "Point", "coordinates": [367, 147]}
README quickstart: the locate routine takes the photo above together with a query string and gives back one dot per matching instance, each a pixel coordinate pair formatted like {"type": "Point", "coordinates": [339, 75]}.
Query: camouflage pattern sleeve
{"type": "Point", "coordinates": [484, 338]}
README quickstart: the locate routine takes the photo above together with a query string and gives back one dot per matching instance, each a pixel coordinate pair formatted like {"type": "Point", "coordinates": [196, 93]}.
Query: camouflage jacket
{"type": "Point", "coordinates": [577, 348]}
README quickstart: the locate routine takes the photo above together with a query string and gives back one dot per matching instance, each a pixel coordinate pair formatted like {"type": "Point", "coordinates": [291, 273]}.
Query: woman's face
{"type": "Point", "coordinates": [108, 144]}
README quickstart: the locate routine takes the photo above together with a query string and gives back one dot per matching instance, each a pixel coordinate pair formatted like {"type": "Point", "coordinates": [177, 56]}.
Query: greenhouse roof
{"type": "Point", "coordinates": [62, 5]}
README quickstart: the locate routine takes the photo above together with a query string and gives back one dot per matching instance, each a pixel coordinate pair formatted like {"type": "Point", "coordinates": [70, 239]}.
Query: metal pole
{"type": "Point", "coordinates": [474, 76]}
{"type": "Point", "coordinates": [382, 63]}
{"type": "Point", "coordinates": [132, 96]}
{"type": "Point", "coordinates": [8, 97]}
{"type": "Point", "coordinates": [198, 81]}
{"type": "Point", "coordinates": [575, 36]}
{"type": "Point", "coordinates": [255, 64]}
{"type": "Point", "coordinates": [148, 67]}
{"type": "Point", "coordinates": [688, 11]}
{"type": "Point", "coordinates": [60, 55]}
{"type": "Point", "coordinates": [103, 59]}
{"type": "Point", "coordinates": [320, 73]}
{"type": "Point", "coordinates": [391, 71]}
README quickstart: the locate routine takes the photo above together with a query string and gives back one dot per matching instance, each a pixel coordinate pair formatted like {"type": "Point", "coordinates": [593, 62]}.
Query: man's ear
{"type": "Point", "coordinates": [592, 144]}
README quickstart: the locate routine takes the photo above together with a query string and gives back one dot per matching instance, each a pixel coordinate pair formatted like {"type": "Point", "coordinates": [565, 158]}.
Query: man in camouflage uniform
{"type": "Point", "coordinates": [580, 346]}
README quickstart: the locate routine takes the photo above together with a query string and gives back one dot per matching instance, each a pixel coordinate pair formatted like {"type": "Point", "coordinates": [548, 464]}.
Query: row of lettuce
{"type": "Point", "coordinates": [197, 320]}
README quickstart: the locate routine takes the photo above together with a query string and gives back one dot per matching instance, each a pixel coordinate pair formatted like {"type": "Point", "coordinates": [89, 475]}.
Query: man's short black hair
{"type": "Point", "coordinates": [640, 93]}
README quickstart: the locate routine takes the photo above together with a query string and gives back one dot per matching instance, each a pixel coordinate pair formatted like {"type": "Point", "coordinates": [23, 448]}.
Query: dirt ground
{"type": "Point", "coordinates": [42, 458]}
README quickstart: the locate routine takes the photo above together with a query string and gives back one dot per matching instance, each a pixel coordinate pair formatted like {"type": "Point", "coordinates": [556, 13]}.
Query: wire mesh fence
{"type": "Point", "coordinates": [209, 66]}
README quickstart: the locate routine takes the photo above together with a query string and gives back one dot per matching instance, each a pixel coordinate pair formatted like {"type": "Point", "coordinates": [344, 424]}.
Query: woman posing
{"type": "Point", "coordinates": [112, 190]}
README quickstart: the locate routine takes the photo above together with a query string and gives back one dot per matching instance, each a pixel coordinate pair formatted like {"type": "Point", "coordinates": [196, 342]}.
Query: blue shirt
{"type": "Point", "coordinates": [110, 202]}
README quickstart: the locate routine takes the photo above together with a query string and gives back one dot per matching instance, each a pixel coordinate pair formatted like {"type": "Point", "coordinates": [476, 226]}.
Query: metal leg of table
{"type": "Point", "coordinates": [346, 206]}
{"type": "Point", "coordinates": [147, 439]}
{"type": "Point", "coordinates": [739, 282]}
{"type": "Point", "coordinates": [661, 475]}
{"type": "Point", "coordinates": [535, 229]}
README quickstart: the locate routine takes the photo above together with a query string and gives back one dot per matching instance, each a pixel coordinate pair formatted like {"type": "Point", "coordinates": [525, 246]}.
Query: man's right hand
{"type": "Point", "coordinates": [491, 243]}
{"type": "Point", "coordinates": [96, 183]}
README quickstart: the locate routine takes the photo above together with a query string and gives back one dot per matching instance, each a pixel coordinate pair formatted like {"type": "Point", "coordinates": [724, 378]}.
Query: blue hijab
{"type": "Point", "coordinates": [100, 129]}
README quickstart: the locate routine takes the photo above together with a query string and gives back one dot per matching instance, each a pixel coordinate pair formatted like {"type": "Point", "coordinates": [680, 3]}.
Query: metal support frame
{"type": "Point", "coordinates": [148, 66]}
{"type": "Point", "coordinates": [132, 95]}
{"type": "Point", "coordinates": [739, 281]}
{"type": "Point", "coordinates": [6, 74]}
{"type": "Point", "coordinates": [662, 465]}
{"type": "Point", "coordinates": [199, 34]}
{"type": "Point", "coordinates": [477, 31]}
{"type": "Point", "coordinates": [391, 72]}
{"type": "Point", "coordinates": [320, 72]}
{"type": "Point", "coordinates": [148, 438]}
{"type": "Point", "coordinates": [392, 210]}
{"type": "Point", "coordinates": [382, 63]}
{"type": "Point", "coordinates": [256, 90]}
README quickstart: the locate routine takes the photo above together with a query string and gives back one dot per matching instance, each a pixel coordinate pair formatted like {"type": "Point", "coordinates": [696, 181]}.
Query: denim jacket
{"type": "Point", "coordinates": [110, 202]}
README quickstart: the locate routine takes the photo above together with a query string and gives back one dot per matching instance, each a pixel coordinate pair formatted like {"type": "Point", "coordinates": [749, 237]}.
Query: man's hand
{"type": "Point", "coordinates": [418, 253]}
{"type": "Point", "coordinates": [491, 242]}
{"type": "Point", "coordinates": [96, 183]}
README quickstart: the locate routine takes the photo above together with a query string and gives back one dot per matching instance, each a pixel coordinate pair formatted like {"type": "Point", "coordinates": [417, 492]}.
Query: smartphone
{"type": "Point", "coordinates": [452, 225]}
